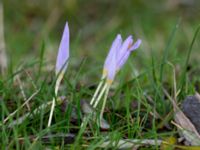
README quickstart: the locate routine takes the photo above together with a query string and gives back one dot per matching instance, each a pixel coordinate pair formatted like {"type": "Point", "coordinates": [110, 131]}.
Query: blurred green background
{"type": "Point", "coordinates": [94, 24]}
{"type": "Point", "coordinates": [166, 28]}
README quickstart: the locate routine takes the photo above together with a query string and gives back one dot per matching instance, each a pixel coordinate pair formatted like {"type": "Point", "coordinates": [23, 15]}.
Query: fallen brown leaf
{"type": "Point", "coordinates": [187, 129]}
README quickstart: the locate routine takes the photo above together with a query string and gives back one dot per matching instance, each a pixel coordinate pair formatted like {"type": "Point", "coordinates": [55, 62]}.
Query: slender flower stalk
{"type": "Point", "coordinates": [100, 95]}
{"type": "Point", "coordinates": [116, 58]}
{"type": "Point", "coordinates": [104, 101]}
{"type": "Point", "coordinates": [115, 45]}
{"type": "Point", "coordinates": [61, 65]}
{"type": "Point", "coordinates": [97, 90]}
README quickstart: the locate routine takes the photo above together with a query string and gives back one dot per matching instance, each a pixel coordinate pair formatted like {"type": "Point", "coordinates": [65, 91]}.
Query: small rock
{"type": "Point", "coordinates": [191, 108]}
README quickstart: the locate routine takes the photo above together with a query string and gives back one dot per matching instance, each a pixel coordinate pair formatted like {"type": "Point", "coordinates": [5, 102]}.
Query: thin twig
{"type": "Point", "coordinates": [22, 91]}
{"type": "Point", "coordinates": [13, 113]}
{"type": "Point", "coordinates": [31, 79]}
{"type": "Point", "coordinates": [32, 114]}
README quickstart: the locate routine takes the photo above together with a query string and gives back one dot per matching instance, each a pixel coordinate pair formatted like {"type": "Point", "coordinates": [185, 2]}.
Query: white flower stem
{"type": "Point", "coordinates": [51, 112]}
{"type": "Point", "coordinates": [97, 91]}
{"type": "Point", "coordinates": [100, 95]}
{"type": "Point", "coordinates": [60, 76]}
{"type": "Point", "coordinates": [104, 102]}
{"type": "Point", "coordinates": [83, 122]}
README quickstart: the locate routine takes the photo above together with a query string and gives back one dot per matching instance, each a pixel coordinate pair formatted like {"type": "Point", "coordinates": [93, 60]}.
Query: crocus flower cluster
{"type": "Point", "coordinates": [118, 55]}
{"type": "Point", "coordinates": [116, 58]}
{"type": "Point", "coordinates": [61, 65]}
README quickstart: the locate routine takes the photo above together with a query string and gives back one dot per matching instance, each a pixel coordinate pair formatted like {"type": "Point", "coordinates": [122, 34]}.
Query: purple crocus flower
{"type": "Point", "coordinates": [126, 49]}
{"type": "Point", "coordinates": [116, 58]}
{"type": "Point", "coordinates": [118, 55]}
{"type": "Point", "coordinates": [112, 53]}
{"type": "Point", "coordinates": [63, 52]}
{"type": "Point", "coordinates": [61, 65]}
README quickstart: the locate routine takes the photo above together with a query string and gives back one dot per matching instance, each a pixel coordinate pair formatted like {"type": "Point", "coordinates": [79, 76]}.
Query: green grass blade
{"type": "Point", "coordinates": [41, 59]}
{"type": "Point", "coordinates": [166, 50]}
{"type": "Point", "coordinates": [188, 57]}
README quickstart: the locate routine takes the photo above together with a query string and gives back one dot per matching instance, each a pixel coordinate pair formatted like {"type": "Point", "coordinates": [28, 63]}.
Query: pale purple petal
{"type": "Point", "coordinates": [114, 47]}
{"type": "Point", "coordinates": [123, 60]}
{"type": "Point", "coordinates": [135, 45]}
{"type": "Point", "coordinates": [63, 52]}
{"type": "Point", "coordinates": [124, 47]}
{"type": "Point", "coordinates": [111, 68]}
{"type": "Point", "coordinates": [124, 56]}
{"type": "Point", "coordinates": [118, 55]}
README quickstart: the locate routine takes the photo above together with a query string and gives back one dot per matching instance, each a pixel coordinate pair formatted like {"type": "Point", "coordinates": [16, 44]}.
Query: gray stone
{"type": "Point", "coordinates": [191, 108]}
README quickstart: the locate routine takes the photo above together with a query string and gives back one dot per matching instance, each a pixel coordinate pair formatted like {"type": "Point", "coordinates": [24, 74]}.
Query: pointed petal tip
{"type": "Point", "coordinates": [67, 24]}
{"type": "Point", "coordinates": [138, 42]}
{"type": "Point", "coordinates": [63, 51]}
{"type": "Point", "coordinates": [130, 37]}
{"type": "Point", "coordinates": [119, 36]}
{"type": "Point", "coordinates": [136, 45]}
